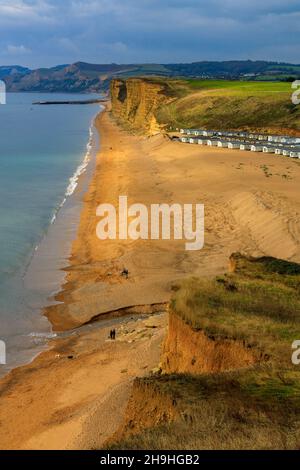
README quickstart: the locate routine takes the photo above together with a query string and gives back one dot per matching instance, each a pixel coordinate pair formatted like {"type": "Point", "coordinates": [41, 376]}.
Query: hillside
{"type": "Point", "coordinates": [227, 380]}
{"type": "Point", "coordinates": [85, 77]}
{"type": "Point", "coordinates": [211, 104]}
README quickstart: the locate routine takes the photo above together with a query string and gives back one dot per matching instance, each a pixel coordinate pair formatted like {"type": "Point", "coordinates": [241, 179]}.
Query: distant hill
{"type": "Point", "coordinates": [11, 70]}
{"type": "Point", "coordinates": [84, 77]}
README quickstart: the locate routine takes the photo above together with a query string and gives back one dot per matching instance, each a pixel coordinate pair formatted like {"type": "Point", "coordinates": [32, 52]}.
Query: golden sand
{"type": "Point", "coordinates": [252, 205]}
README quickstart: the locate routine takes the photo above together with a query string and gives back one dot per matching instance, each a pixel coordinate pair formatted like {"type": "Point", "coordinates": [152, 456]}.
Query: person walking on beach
{"type": "Point", "coordinates": [112, 334]}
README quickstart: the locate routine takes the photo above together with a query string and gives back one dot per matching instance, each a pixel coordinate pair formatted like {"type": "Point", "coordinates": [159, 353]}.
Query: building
{"type": "Point", "coordinates": [212, 143]}
{"type": "Point", "coordinates": [245, 147]}
{"type": "Point", "coordinates": [222, 143]}
{"type": "Point", "coordinates": [184, 140]}
{"type": "Point", "coordinates": [234, 145]}
{"type": "Point", "coordinates": [278, 151]}
{"type": "Point", "coordinates": [256, 148]}
{"type": "Point", "coordinates": [295, 154]}
{"type": "Point", "coordinates": [286, 152]}
{"type": "Point", "coordinates": [191, 140]}
{"type": "Point", "coordinates": [208, 133]}
{"type": "Point", "coordinates": [268, 149]}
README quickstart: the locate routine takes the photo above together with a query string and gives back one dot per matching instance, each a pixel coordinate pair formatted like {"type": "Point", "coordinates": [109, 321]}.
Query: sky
{"type": "Point", "coordinates": [43, 33]}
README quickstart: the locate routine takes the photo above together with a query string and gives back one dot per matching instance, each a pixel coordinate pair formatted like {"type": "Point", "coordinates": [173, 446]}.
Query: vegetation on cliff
{"type": "Point", "coordinates": [210, 104]}
{"type": "Point", "coordinates": [256, 407]}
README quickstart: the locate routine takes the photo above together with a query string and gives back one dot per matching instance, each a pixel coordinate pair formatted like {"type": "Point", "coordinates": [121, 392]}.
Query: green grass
{"type": "Point", "coordinates": [252, 408]}
{"type": "Point", "coordinates": [259, 303]}
{"type": "Point", "coordinates": [231, 105]}
{"type": "Point", "coordinates": [221, 412]}
{"type": "Point", "coordinates": [240, 86]}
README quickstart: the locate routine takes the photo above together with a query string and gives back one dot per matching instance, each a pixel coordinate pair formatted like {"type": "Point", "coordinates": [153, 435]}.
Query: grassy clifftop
{"type": "Point", "coordinates": [255, 406]}
{"type": "Point", "coordinates": [214, 104]}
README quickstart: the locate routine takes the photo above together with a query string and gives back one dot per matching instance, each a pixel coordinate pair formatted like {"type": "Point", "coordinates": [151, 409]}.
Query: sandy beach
{"type": "Point", "coordinates": [74, 395]}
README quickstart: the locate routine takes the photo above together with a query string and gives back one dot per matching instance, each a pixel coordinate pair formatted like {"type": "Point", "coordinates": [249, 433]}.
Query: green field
{"type": "Point", "coordinates": [230, 105]}
{"type": "Point", "coordinates": [240, 86]}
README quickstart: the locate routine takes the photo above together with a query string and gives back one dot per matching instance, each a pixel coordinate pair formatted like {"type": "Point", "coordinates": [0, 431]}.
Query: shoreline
{"type": "Point", "coordinates": [144, 169]}
{"type": "Point", "coordinates": [42, 276]}
{"type": "Point", "coordinates": [74, 394]}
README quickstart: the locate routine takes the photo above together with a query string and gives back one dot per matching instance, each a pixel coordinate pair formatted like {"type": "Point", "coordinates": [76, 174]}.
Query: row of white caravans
{"type": "Point", "coordinates": [245, 135]}
{"type": "Point", "coordinates": [243, 146]}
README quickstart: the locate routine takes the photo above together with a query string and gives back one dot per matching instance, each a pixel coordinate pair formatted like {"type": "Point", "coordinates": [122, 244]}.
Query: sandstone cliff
{"type": "Point", "coordinates": [194, 352]}
{"type": "Point", "coordinates": [135, 102]}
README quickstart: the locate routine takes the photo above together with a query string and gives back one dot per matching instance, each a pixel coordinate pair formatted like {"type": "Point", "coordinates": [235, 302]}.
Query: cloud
{"type": "Point", "coordinates": [22, 11]}
{"type": "Point", "coordinates": [18, 50]}
{"type": "Point", "coordinates": [151, 30]}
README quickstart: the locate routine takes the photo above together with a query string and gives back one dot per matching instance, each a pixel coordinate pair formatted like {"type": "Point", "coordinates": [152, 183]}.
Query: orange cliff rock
{"type": "Point", "coordinates": [135, 101]}
{"type": "Point", "coordinates": [194, 352]}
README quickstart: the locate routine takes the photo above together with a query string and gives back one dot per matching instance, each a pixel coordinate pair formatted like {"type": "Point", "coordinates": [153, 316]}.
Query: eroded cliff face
{"type": "Point", "coordinates": [135, 102]}
{"type": "Point", "coordinates": [190, 351]}
{"type": "Point", "coordinates": [148, 407]}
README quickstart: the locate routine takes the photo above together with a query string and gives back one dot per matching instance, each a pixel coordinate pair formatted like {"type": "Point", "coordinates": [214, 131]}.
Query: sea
{"type": "Point", "coordinates": [47, 156]}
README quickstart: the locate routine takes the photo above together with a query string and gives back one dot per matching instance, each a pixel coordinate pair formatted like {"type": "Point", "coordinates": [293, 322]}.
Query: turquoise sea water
{"type": "Point", "coordinates": [43, 149]}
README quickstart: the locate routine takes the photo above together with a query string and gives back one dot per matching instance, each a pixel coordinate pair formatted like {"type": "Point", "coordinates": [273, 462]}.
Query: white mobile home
{"type": "Point", "coordinates": [222, 144]}
{"type": "Point", "coordinates": [295, 154]}
{"type": "Point", "coordinates": [194, 132]}
{"type": "Point", "coordinates": [233, 145]}
{"type": "Point", "coordinates": [191, 140]}
{"type": "Point", "coordinates": [278, 151]}
{"type": "Point", "coordinates": [212, 143]}
{"type": "Point", "coordinates": [245, 146]}
{"type": "Point", "coordinates": [200, 142]}
{"type": "Point", "coordinates": [208, 133]}
{"type": "Point", "coordinates": [268, 149]}
{"type": "Point", "coordinates": [256, 148]}
{"type": "Point", "coordinates": [286, 152]}
{"type": "Point", "coordinates": [184, 140]}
